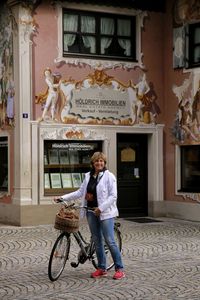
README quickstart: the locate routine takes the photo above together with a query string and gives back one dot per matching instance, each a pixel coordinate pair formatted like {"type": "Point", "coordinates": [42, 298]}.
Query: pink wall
{"type": "Point", "coordinates": [171, 76]}
{"type": "Point", "coordinates": [45, 51]}
{"type": "Point", "coordinates": [157, 49]}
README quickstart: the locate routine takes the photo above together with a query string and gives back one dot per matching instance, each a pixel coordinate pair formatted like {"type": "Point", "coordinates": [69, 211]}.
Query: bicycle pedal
{"type": "Point", "coordinates": [74, 264]}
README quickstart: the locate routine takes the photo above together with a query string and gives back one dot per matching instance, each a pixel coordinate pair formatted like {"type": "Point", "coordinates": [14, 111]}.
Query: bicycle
{"type": "Point", "coordinates": [61, 250]}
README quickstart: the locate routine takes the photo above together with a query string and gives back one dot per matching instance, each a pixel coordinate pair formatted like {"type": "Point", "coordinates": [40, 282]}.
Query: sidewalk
{"type": "Point", "coordinates": [162, 262]}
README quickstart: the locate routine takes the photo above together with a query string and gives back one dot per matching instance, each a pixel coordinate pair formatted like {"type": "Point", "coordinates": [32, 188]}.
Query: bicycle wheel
{"type": "Point", "coordinates": [59, 256]}
{"type": "Point", "coordinates": [109, 259]}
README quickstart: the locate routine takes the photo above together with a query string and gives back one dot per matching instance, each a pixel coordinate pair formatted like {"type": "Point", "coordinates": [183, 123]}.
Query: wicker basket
{"type": "Point", "coordinates": [67, 220]}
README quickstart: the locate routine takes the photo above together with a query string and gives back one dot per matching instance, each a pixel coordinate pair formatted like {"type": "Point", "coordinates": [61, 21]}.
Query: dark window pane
{"type": "Point", "coordinates": [193, 59]}
{"type": "Point", "coordinates": [190, 168]}
{"type": "Point", "coordinates": [4, 164]}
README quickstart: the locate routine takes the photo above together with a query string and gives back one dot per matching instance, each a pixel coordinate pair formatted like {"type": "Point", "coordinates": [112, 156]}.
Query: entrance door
{"type": "Point", "coordinates": [132, 174]}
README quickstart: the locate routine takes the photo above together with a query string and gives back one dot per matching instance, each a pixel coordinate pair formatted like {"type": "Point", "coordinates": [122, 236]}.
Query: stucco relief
{"type": "Point", "coordinates": [106, 64]}
{"type": "Point", "coordinates": [72, 134]}
{"type": "Point", "coordinates": [194, 197]}
{"type": "Point", "coordinates": [186, 11]}
{"type": "Point", "coordinates": [27, 23]}
{"type": "Point", "coordinates": [186, 127]}
{"type": "Point", "coordinates": [101, 99]}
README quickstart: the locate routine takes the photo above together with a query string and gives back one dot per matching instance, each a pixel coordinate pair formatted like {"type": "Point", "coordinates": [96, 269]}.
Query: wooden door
{"type": "Point", "coordinates": [132, 174]}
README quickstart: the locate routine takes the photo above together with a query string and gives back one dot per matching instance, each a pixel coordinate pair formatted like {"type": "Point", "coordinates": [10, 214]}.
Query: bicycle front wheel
{"type": "Point", "coordinates": [59, 256]}
{"type": "Point", "coordinates": [109, 259]}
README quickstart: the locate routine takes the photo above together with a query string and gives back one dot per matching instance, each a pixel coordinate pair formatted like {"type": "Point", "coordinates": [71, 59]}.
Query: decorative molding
{"type": "Point", "coordinates": [96, 64]}
{"type": "Point", "coordinates": [73, 133]}
{"type": "Point", "coordinates": [186, 11]}
{"type": "Point", "coordinates": [194, 197]}
{"type": "Point", "coordinates": [28, 25]}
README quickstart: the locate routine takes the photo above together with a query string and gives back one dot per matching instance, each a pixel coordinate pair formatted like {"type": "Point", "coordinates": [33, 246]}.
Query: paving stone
{"type": "Point", "coordinates": [162, 262]}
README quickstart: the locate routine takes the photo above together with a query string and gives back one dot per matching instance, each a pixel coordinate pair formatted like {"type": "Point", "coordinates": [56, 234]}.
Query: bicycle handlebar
{"type": "Point", "coordinates": [60, 200]}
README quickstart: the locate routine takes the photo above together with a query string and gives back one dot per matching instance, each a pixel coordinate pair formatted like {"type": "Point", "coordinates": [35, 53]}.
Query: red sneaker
{"type": "Point", "coordinates": [119, 274]}
{"type": "Point", "coordinates": [99, 273]}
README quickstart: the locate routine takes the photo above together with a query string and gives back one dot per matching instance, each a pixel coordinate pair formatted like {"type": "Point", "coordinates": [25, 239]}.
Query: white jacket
{"type": "Point", "coordinates": [106, 194]}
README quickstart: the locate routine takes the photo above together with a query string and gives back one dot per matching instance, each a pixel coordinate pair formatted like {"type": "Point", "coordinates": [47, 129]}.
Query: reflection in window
{"type": "Point", "coordinates": [190, 168]}
{"type": "Point", "coordinates": [4, 164]}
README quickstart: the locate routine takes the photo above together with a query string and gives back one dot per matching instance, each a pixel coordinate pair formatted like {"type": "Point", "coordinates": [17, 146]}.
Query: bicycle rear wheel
{"type": "Point", "coordinates": [59, 256]}
{"type": "Point", "coordinates": [109, 259]}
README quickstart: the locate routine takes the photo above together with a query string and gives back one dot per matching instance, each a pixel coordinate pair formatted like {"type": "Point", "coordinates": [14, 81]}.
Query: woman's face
{"type": "Point", "coordinates": [99, 165]}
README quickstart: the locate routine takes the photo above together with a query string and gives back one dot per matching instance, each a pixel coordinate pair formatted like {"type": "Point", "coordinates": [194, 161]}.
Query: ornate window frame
{"type": "Point", "coordinates": [95, 63]}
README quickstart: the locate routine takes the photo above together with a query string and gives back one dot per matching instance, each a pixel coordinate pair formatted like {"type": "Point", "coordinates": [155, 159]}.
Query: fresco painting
{"type": "Point", "coordinates": [186, 127]}
{"type": "Point", "coordinates": [7, 89]}
{"type": "Point", "coordinates": [99, 99]}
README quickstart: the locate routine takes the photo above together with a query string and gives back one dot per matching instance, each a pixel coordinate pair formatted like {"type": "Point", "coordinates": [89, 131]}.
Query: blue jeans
{"type": "Point", "coordinates": [100, 229]}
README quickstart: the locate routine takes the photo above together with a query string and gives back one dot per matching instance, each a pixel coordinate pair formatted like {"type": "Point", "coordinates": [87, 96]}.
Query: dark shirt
{"type": "Point", "coordinates": [91, 188]}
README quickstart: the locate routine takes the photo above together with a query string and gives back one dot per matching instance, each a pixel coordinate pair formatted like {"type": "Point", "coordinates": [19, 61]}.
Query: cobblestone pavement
{"type": "Point", "coordinates": [162, 262]}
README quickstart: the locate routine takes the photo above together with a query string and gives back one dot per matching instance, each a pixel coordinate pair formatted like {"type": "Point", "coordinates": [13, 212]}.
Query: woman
{"type": "Point", "coordinates": [99, 191]}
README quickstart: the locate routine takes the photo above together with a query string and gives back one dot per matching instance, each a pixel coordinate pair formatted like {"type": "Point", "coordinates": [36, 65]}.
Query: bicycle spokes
{"type": "Point", "coordinates": [58, 257]}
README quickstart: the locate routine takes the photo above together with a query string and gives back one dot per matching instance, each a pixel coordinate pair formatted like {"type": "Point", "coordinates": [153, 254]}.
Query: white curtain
{"type": "Point", "coordinates": [70, 24]}
{"type": "Point", "coordinates": [88, 26]}
{"type": "Point", "coordinates": [124, 29]}
{"type": "Point", "coordinates": [107, 27]}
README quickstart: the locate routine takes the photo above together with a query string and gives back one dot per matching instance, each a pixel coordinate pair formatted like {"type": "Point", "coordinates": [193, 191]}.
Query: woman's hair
{"type": "Point", "coordinates": [96, 156]}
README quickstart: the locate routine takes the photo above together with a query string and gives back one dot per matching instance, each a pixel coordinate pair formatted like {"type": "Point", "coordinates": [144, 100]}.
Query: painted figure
{"type": "Point", "coordinates": [186, 118]}
{"type": "Point", "coordinates": [10, 101]}
{"type": "Point", "coordinates": [196, 111]}
{"type": "Point", "coordinates": [142, 88]}
{"type": "Point", "coordinates": [53, 82]}
{"type": "Point", "coordinates": [151, 109]}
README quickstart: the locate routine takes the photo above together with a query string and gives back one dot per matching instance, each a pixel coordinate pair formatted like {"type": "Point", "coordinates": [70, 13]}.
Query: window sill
{"type": "Point", "coordinates": [189, 190]}
{"type": "Point", "coordinates": [3, 193]}
{"type": "Point", "coordinates": [100, 63]}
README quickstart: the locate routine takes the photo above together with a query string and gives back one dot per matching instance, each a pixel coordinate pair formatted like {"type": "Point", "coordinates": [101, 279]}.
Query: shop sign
{"type": "Point", "coordinates": [100, 103]}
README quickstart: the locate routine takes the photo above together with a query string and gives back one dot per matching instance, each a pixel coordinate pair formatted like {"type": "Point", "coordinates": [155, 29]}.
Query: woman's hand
{"type": "Point", "coordinates": [97, 211]}
{"type": "Point", "coordinates": [57, 199]}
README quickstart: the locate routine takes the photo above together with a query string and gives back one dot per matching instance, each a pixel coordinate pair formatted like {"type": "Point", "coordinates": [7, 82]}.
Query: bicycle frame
{"type": "Point", "coordinates": [61, 249]}
{"type": "Point", "coordinates": [86, 249]}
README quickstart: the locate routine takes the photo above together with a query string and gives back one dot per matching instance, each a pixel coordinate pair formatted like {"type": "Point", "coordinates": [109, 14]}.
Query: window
{"type": "Point", "coordinates": [3, 164]}
{"type": "Point", "coordinates": [65, 164]}
{"type": "Point", "coordinates": [193, 45]}
{"type": "Point", "coordinates": [106, 36]}
{"type": "Point", "coordinates": [190, 168]}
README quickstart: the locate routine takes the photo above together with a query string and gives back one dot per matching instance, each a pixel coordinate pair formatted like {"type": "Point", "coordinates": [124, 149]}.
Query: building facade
{"type": "Point", "coordinates": [121, 78]}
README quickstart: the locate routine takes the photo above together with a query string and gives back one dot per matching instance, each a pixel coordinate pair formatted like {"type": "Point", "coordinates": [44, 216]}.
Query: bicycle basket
{"type": "Point", "coordinates": [67, 219]}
